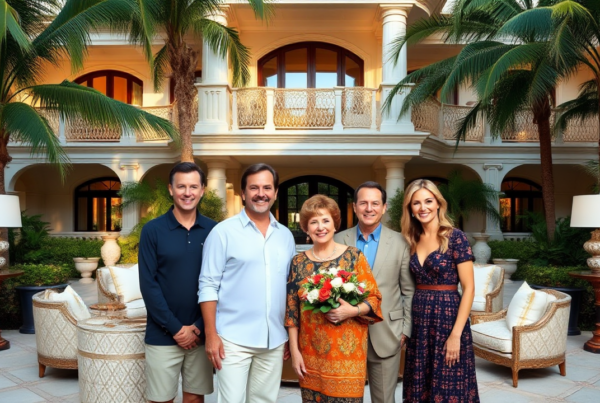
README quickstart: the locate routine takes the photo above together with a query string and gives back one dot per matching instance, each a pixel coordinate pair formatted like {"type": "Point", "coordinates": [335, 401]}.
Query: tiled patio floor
{"type": "Point", "coordinates": [19, 382]}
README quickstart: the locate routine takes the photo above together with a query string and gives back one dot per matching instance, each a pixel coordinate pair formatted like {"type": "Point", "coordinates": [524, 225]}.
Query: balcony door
{"type": "Point", "coordinates": [310, 65]}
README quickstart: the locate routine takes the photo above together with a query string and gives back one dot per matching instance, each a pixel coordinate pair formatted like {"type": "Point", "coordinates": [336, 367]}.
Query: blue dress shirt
{"type": "Point", "coordinates": [369, 246]}
{"type": "Point", "coordinates": [246, 273]}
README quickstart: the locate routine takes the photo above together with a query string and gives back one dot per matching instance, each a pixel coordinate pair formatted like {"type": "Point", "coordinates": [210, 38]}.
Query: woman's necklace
{"type": "Point", "coordinates": [327, 258]}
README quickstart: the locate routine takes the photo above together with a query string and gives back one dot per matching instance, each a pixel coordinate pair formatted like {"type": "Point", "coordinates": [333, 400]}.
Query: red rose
{"type": "Point", "coordinates": [317, 278]}
{"type": "Point", "coordinates": [327, 285]}
{"type": "Point", "coordinates": [324, 294]}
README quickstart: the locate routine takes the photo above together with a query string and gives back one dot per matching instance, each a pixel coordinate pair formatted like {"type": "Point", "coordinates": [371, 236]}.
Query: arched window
{"type": "Point", "coordinates": [115, 84]}
{"type": "Point", "coordinates": [310, 65]}
{"type": "Point", "coordinates": [520, 196]}
{"type": "Point", "coordinates": [293, 193]}
{"type": "Point", "coordinates": [96, 204]}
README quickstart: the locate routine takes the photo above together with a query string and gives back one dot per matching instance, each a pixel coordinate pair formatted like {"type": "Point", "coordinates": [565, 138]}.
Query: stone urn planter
{"type": "Point", "coordinates": [110, 251]}
{"type": "Point", "coordinates": [481, 250]}
{"type": "Point", "coordinates": [86, 266]}
{"type": "Point", "coordinates": [509, 266]}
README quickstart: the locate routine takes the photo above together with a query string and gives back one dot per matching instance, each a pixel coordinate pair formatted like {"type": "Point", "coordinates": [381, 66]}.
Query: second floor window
{"type": "Point", "coordinates": [115, 84]}
{"type": "Point", "coordinates": [310, 65]}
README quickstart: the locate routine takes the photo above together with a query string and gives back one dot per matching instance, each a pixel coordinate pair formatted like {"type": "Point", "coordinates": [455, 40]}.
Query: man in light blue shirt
{"type": "Point", "coordinates": [369, 246]}
{"type": "Point", "coordinates": [242, 293]}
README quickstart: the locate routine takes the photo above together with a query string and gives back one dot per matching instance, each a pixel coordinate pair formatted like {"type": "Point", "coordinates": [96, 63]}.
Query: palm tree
{"type": "Point", "coordinates": [179, 21]}
{"type": "Point", "coordinates": [510, 72]}
{"type": "Point", "coordinates": [573, 30]}
{"type": "Point", "coordinates": [28, 44]}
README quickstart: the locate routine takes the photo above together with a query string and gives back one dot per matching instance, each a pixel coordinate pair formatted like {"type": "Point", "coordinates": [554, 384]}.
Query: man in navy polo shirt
{"type": "Point", "coordinates": [170, 257]}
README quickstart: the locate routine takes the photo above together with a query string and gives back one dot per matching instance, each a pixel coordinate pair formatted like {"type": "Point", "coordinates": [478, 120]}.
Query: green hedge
{"type": "Point", "coordinates": [525, 251]}
{"type": "Point", "coordinates": [553, 276]}
{"type": "Point", "coordinates": [34, 274]}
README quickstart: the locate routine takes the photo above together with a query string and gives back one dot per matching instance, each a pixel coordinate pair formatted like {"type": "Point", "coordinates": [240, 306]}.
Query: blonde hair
{"type": "Point", "coordinates": [411, 226]}
{"type": "Point", "coordinates": [311, 208]}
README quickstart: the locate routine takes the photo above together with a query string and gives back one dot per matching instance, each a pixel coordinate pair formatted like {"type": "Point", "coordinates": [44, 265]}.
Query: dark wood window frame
{"type": "Point", "coordinates": [110, 81]}
{"type": "Point", "coordinates": [530, 195]}
{"type": "Point", "coordinates": [90, 195]}
{"type": "Point", "coordinates": [311, 63]}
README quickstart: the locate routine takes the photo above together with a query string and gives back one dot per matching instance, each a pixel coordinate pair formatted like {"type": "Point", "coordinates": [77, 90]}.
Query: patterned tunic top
{"type": "Point", "coordinates": [335, 356]}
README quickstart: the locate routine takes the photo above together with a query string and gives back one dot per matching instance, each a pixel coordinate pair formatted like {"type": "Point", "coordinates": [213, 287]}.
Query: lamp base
{"type": "Point", "coordinates": [4, 344]}
{"type": "Point", "coordinates": [593, 248]}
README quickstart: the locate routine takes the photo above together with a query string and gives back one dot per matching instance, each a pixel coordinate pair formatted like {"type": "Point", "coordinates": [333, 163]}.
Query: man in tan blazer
{"type": "Point", "coordinates": [388, 255]}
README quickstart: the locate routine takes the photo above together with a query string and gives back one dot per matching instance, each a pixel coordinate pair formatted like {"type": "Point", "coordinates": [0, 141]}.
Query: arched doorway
{"type": "Point", "coordinates": [96, 205]}
{"type": "Point", "coordinates": [520, 197]}
{"type": "Point", "coordinates": [294, 192]}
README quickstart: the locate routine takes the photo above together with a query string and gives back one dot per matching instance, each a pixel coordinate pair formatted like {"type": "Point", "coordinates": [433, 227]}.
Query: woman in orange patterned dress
{"type": "Point", "coordinates": [329, 351]}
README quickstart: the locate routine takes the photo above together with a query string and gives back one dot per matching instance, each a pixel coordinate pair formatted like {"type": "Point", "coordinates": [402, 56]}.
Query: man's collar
{"type": "Point", "coordinates": [375, 234]}
{"type": "Point", "coordinates": [246, 220]}
{"type": "Point", "coordinates": [173, 223]}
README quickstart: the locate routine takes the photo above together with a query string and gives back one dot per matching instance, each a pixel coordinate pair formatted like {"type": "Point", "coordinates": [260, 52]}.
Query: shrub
{"type": "Point", "coordinates": [34, 274]}
{"type": "Point", "coordinates": [26, 242]}
{"type": "Point", "coordinates": [524, 251]}
{"type": "Point", "coordinates": [558, 276]}
{"type": "Point", "coordinates": [394, 210]}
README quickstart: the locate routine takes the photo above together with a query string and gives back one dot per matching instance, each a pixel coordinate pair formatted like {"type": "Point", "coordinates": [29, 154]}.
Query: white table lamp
{"type": "Point", "coordinates": [586, 214]}
{"type": "Point", "coordinates": [10, 217]}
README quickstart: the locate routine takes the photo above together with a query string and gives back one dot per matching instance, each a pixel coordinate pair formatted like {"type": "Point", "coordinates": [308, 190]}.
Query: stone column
{"type": "Point", "coordinates": [128, 172]}
{"type": "Point", "coordinates": [217, 175]}
{"type": "Point", "coordinates": [394, 178]}
{"type": "Point", "coordinates": [213, 92]}
{"type": "Point", "coordinates": [394, 19]}
{"type": "Point", "coordinates": [493, 177]}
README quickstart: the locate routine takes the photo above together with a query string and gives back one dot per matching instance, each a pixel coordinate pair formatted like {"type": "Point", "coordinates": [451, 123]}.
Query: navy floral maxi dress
{"type": "Point", "coordinates": [427, 378]}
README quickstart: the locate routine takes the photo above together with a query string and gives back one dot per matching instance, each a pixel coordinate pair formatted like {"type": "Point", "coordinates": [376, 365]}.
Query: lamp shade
{"type": "Point", "coordinates": [586, 211]}
{"type": "Point", "coordinates": [10, 212]}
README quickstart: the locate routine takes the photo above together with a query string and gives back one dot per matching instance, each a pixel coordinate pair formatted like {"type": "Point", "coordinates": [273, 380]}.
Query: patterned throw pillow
{"type": "Point", "coordinates": [75, 304]}
{"type": "Point", "coordinates": [527, 306]}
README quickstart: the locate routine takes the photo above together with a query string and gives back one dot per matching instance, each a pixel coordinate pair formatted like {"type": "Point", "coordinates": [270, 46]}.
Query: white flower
{"type": "Point", "coordinates": [313, 296]}
{"type": "Point", "coordinates": [333, 271]}
{"type": "Point", "coordinates": [361, 285]}
{"type": "Point", "coordinates": [337, 282]}
{"type": "Point", "coordinates": [349, 287]}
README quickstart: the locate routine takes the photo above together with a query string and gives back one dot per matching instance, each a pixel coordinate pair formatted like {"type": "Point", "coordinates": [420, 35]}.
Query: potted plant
{"type": "Point", "coordinates": [86, 266]}
{"type": "Point", "coordinates": [36, 278]}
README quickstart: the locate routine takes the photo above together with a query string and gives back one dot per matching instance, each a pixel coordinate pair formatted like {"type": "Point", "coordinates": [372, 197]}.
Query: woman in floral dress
{"type": "Point", "coordinates": [329, 351]}
{"type": "Point", "coordinates": [440, 363]}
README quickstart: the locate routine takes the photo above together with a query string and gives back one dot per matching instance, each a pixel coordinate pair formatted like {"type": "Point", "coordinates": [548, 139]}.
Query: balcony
{"type": "Point", "coordinates": [304, 109]}
{"type": "Point", "coordinates": [77, 131]}
{"type": "Point", "coordinates": [441, 120]}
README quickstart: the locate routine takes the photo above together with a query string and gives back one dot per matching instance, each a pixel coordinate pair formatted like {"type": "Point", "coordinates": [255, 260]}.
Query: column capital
{"type": "Point", "coordinates": [129, 166]}
{"type": "Point", "coordinates": [395, 162]}
{"type": "Point", "coordinates": [496, 166]}
{"type": "Point", "coordinates": [220, 15]}
{"type": "Point", "coordinates": [394, 12]}
{"type": "Point", "coordinates": [217, 162]}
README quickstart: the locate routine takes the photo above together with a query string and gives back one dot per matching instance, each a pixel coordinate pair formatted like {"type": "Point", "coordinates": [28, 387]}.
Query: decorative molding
{"type": "Point", "coordinates": [497, 166]}
{"type": "Point", "coordinates": [129, 166]}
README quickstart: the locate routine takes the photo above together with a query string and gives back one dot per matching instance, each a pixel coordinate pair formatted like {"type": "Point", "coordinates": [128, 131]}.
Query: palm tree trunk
{"type": "Point", "coordinates": [183, 66]}
{"type": "Point", "coordinates": [542, 117]}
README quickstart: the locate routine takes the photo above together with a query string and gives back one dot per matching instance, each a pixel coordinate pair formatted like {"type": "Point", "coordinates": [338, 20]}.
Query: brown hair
{"type": "Point", "coordinates": [411, 226]}
{"type": "Point", "coordinates": [311, 208]}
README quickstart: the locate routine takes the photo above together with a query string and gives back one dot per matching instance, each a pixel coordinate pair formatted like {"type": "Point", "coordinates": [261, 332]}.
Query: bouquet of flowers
{"type": "Point", "coordinates": [321, 291]}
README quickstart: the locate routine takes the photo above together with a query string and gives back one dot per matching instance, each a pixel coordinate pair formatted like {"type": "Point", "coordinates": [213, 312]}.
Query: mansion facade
{"type": "Point", "coordinates": [320, 73]}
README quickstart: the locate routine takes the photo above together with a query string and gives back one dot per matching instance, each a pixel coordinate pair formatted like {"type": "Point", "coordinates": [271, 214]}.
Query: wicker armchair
{"type": "Point", "coordinates": [539, 345]}
{"type": "Point", "coordinates": [106, 290]}
{"type": "Point", "coordinates": [494, 300]}
{"type": "Point", "coordinates": [55, 334]}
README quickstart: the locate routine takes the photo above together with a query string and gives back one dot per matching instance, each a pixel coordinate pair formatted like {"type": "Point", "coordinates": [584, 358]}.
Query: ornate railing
{"type": "Point", "coordinates": [169, 113]}
{"type": "Point", "coordinates": [524, 130]}
{"type": "Point", "coordinates": [304, 108]}
{"type": "Point", "coordinates": [582, 131]}
{"type": "Point", "coordinates": [78, 130]}
{"type": "Point", "coordinates": [452, 115]}
{"type": "Point", "coordinates": [309, 108]}
{"type": "Point", "coordinates": [425, 117]}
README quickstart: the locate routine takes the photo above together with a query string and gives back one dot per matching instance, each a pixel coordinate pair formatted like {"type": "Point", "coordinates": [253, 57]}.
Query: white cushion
{"type": "Point", "coordinates": [493, 335]}
{"type": "Point", "coordinates": [75, 304]}
{"type": "Point", "coordinates": [137, 303]}
{"type": "Point", "coordinates": [527, 306]}
{"type": "Point", "coordinates": [107, 280]}
{"type": "Point", "coordinates": [484, 280]}
{"type": "Point", "coordinates": [478, 304]}
{"type": "Point", "coordinates": [127, 282]}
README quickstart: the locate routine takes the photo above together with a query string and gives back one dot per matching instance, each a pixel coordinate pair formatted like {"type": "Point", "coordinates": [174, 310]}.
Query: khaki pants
{"type": "Point", "coordinates": [249, 374]}
{"type": "Point", "coordinates": [383, 376]}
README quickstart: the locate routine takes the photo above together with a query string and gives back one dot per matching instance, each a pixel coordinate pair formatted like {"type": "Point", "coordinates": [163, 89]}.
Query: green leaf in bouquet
{"type": "Point", "coordinates": [307, 307]}
{"type": "Point", "coordinates": [325, 308]}
{"type": "Point", "coordinates": [335, 304]}
{"type": "Point", "coordinates": [353, 301]}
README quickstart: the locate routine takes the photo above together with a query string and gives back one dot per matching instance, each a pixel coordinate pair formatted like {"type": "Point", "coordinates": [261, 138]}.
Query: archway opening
{"type": "Point", "coordinates": [294, 192]}
{"type": "Point", "coordinates": [520, 196]}
{"type": "Point", "coordinates": [96, 205]}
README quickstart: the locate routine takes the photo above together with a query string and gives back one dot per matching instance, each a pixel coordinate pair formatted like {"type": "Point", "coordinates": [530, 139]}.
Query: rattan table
{"type": "Point", "coordinates": [110, 355]}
